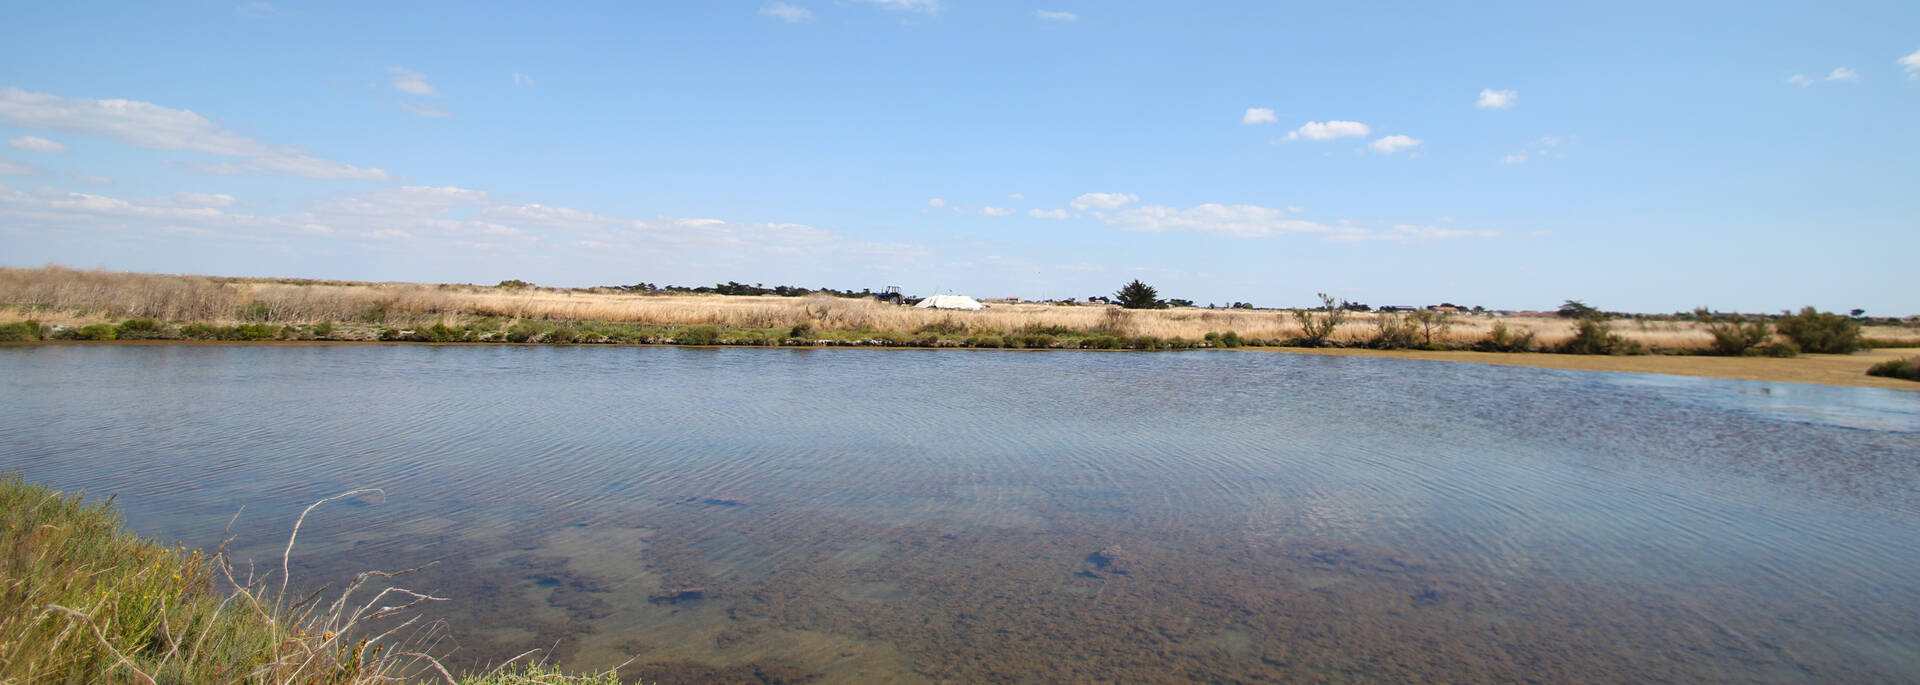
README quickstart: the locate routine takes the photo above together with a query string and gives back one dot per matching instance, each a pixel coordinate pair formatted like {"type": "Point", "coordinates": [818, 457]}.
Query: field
{"type": "Point", "coordinates": [290, 309]}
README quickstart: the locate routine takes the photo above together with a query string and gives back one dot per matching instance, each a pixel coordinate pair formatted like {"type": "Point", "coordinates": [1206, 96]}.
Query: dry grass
{"type": "Point", "coordinates": [56, 295]}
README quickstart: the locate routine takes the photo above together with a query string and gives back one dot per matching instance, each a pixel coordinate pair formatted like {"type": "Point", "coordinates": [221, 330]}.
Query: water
{"type": "Point", "coordinates": [913, 516]}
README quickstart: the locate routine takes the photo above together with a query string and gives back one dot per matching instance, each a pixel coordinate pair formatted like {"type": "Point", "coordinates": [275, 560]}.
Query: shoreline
{"type": "Point", "coordinates": [1849, 370]}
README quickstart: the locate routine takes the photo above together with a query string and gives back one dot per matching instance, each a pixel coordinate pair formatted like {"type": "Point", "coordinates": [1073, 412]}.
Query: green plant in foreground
{"type": "Point", "coordinates": [1908, 368]}
{"type": "Point", "coordinates": [85, 601]}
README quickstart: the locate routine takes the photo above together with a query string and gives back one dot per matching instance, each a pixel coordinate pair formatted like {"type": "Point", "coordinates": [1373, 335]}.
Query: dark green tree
{"type": "Point", "coordinates": [1575, 309]}
{"type": "Point", "coordinates": [1821, 332]}
{"type": "Point", "coordinates": [1137, 295]}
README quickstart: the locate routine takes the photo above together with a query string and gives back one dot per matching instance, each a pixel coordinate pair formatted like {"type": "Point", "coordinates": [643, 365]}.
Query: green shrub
{"type": "Point", "coordinates": [1503, 339]}
{"type": "Point", "coordinates": [1821, 332]}
{"type": "Point", "coordinates": [22, 331]}
{"type": "Point", "coordinates": [985, 341]}
{"type": "Point", "coordinates": [323, 330]}
{"type": "Point", "coordinates": [1393, 332]}
{"type": "Point", "coordinates": [703, 334]}
{"type": "Point", "coordinates": [138, 329]}
{"type": "Point", "coordinates": [513, 284]}
{"type": "Point", "coordinates": [1908, 368]}
{"type": "Point", "coordinates": [800, 331]}
{"type": "Point", "coordinates": [439, 332]}
{"type": "Point", "coordinates": [1593, 336]}
{"type": "Point", "coordinates": [1316, 326]}
{"type": "Point", "coordinates": [1031, 340]}
{"type": "Point", "coordinates": [1734, 334]}
{"type": "Point", "coordinates": [943, 327]}
{"type": "Point", "coordinates": [98, 331]}
{"type": "Point", "coordinates": [255, 331]}
{"type": "Point", "coordinates": [524, 331]}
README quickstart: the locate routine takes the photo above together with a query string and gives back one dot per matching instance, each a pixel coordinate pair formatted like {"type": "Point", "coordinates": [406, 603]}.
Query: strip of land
{"type": "Point", "coordinates": [76, 305]}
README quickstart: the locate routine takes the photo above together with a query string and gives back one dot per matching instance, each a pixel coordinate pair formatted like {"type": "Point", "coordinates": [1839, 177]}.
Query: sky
{"type": "Point", "coordinates": [1652, 157]}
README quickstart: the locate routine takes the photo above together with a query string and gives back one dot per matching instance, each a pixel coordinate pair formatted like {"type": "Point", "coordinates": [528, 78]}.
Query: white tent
{"type": "Point", "coordinates": [950, 302]}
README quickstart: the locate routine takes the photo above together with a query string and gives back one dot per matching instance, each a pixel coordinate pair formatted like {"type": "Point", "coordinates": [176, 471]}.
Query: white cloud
{"type": "Point", "coordinates": [410, 81]}
{"type": "Point", "coordinates": [1103, 200]}
{"type": "Point", "coordinates": [1016, 196]}
{"type": "Point", "coordinates": [1515, 158]}
{"type": "Point", "coordinates": [1259, 115]}
{"type": "Point", "coordinates": [1296, 209]}
{"type": "Point", "coordinates": [296, 165]}
{"type": "Point", "coordinates": [153, 127]}
{"type": "Point", "coordinates": [256, 9]}
{"type": "Point", "coordinates": [522, 80]}
{"type": "Point", "coordinates": [14, 167]}
{"type": "Point", "coordinates": [32, 144]}
{"type": "Point", "coordinates": [425, 110]}
{"type": "Point", "coordinates": [1912, 63]}
{"type": "Point", "coordinates": [1392, 144]}
{"type": "Point", "coordinates": [1445, 219]}
{"type": "Point", "coordinates": [1314, 130]}
{"type": "Point", "coordinates": [1801, 80]}
{"type": "Point", "coordinates": [927, 6]}
{"type": "Point", "coordinates": [1843, 74]}
{"type": "Point", "coordinates": [996, 211]}
{"type": "Point", "coordinates": [1411, 233]}
{"type": "Point", "coordinates": [786, 12]}
{"type": "Point", "coordinates": [1245, 221]}
{"type": "Point", "coordinates": [1496, 99]}
{"type": "Point", "coordinates": [936, 203]}
{"type": "Point", "coordinates": [1549, 141]}
{"type": "Point", "coordinates": [90, 180]}
{"type": "Point", "coordinates": [1055, 16]}
{"type": "Point", "coordinates": [1048, 213]}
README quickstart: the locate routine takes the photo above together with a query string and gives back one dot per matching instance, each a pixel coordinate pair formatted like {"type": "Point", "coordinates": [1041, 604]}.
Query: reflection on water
{"type": "Point", "coordinates": [906, 516]}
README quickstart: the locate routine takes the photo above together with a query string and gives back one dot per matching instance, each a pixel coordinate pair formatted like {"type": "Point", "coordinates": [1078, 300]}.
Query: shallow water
{"type": "Point", "coordinates": [912, 516]}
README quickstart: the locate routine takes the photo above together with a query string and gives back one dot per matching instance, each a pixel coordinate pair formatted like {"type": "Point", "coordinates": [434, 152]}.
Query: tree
{"type": "Point", "coordinates": [1821, 332]}
{"type": "Point", "coordinates": [1575, 309]}
{"type": "Point", "coordinates": [1734, 334]}
{"type": "Point", "coordinates": [1137, 295]}
{"type": "Point", "coordinates": [1430, 322]}
{"type": "Point", "coordinates": [1314, 328]}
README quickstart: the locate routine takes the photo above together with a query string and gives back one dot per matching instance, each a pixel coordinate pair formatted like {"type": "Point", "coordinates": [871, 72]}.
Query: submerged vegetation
{"type": "Point", "coordinates": [86, 601]}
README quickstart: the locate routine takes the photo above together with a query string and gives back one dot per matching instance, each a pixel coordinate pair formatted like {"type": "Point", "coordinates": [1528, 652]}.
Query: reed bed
{"type": "Point", "coordinates": [56, 295]}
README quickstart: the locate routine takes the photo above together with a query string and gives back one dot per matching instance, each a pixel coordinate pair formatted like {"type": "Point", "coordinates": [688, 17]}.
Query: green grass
{"type": "Point", "coordinates": [86, 601]}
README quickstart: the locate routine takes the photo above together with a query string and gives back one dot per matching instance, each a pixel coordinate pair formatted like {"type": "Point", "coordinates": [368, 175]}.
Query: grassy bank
{"type": "Point", "coordinates": [86, 601]}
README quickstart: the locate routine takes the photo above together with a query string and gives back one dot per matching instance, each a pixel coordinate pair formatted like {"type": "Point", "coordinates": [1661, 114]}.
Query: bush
{"type": "Point", "coordinates": [1503, 339]}
{"type": "Point", "coordinates": [1908, 368]}
{"type": "Point", "coordinates": [1227, 339]}
{"type": "Point", "coordinates": [943, 327]}
{"type": "Point", "coordinates": [1821, 332]}
{"type": "Point", "coordinates": [99, 331]}
{"type": "Point", "coordinates": [513, 284]}
{"type": "Point", "coordinates": [1430, 322]}
{"type": "Point", "coordinates": [138, 329]}
{"type": "Point", "coordinates": [1315, 327]}
{"type": "Point", "coordinates": [1735, 334]}
{"type": "Point", "coordinates": [1395, 332]}
{"type": "Point", "coordinates": [800, 331]}
{"type": "Point", "coordinates": [703, 334]}
{"type": "Point", "coordinates": [1592, 336]}
{"type": "Point", "coordinates": [22, 331]}
{"type": "Point", "coordinates": [323, 330]}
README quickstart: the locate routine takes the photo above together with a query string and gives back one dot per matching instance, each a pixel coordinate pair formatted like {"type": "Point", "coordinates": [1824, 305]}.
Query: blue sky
{"type": "Point", "coordinates": [1638, 156]}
